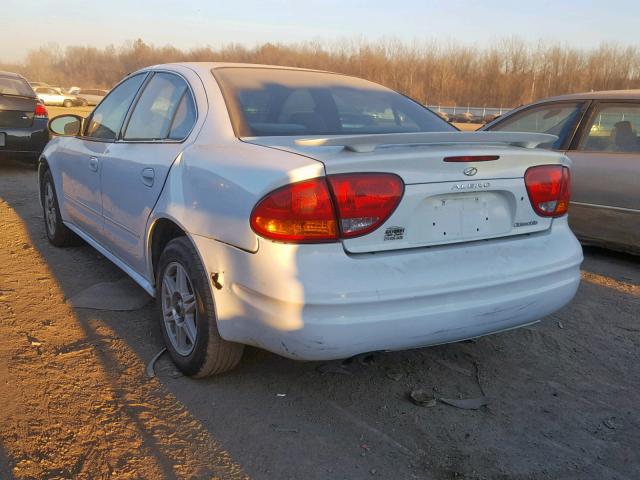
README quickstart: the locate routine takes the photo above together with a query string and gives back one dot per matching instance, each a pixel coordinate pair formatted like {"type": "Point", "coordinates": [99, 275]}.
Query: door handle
{"type": "Point", "coordinates": [93, 164]}
{"type": "Point", "coordinates": [148, 174]}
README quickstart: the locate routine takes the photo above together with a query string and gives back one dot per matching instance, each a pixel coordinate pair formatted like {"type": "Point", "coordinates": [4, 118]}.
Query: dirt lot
{"type": "Point", "coordinates": [75, 401]}
{"type": "Point", "coordinates": [467, 127]}
{"type": "Point", "coordinates": [55, 111]}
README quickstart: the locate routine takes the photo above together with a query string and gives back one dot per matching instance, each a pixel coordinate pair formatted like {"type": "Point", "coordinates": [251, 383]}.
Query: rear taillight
{"type": "Point", "coordinates": [549, 189]}
{"type": "Point", "coordinates": [365, 200]}
{"type": "Point", "coordinates": [40, 111]}
{"type": "Point", "coordinates": [300, 212]}
{"type": "Point", "coordinates": [327, 209]}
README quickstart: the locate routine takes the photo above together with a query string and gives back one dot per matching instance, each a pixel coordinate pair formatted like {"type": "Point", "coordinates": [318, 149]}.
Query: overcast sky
{"type": "Point", "coordinates": [28, 24]}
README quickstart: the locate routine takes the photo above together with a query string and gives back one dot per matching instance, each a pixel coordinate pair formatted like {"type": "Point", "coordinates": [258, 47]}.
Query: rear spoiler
{"type": "Point", "coordinates": [368, 143]}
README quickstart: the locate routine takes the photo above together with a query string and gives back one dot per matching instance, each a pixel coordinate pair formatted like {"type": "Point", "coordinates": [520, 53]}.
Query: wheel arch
{"type": "Point", "coordinates": [160, 233]}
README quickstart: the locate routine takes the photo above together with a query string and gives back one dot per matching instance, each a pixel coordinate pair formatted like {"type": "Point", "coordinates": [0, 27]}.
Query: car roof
{"type": "Point", "coordinates": [203, 67]}
{"type": "Point", "coordinates": [602, 95]}
{"type": "Point", "coordinates": [10, 74]}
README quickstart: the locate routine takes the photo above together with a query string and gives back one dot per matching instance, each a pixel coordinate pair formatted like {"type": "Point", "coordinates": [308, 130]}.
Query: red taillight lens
{"type": "Point", "coordinates": [549, 189]}
{"type": "Point", "coordinates": [300, 212]}
{"type": "Point", "coordinates": [364, 201]}
{"type": "Point", "coordinates": [40, 111]}
{"type": "Point", "coordinates": [326, 209]}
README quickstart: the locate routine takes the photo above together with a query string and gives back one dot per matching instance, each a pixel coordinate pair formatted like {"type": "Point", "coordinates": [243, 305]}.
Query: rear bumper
{"type": "Point", "coordinates": [28, 141]}
{"type": "Point", "coordinates": [318, 303]}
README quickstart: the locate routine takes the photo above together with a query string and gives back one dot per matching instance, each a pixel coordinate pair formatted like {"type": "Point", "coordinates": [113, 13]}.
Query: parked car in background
{"type": "Point", "coordinates": [60, 90]}
{"type": "Point", "coordinates": [490, 117]}
{"type": "Point", "coordinates": [598, 131]}
{"type": "Point", "coordinates": [462, 117]}
{"type": "Point", "coordinates": [38, 84]}
{"type": "Point", "coordinates": [442, 115]}
{"type": "Point", "coordinates": [93, 96]}
{"type": "Point", "coordinates": [54, 96]}
{"type": "Point", "coordinates": [23, 119]}
{"type": "Point", "coordinates": [312, 214]}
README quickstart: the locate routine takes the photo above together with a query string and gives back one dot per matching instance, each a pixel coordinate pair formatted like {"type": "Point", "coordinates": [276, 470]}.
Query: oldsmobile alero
{"type": "Point", "coordinates": [312, 214]}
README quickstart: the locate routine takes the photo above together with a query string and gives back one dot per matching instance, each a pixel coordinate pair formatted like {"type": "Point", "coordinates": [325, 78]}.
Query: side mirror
{"type": "Point", "coordinates": [66, 125]}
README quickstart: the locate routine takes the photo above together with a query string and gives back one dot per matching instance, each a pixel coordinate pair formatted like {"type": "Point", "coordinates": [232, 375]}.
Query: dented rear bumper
{"type": "Point", "coordinates": [316, 302]}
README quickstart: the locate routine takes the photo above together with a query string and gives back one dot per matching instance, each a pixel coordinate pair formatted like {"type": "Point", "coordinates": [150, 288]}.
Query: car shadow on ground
{"type": "Point", "coordinates": [550, 387]}
{"type": "Point", "coordinates": [6, 465]}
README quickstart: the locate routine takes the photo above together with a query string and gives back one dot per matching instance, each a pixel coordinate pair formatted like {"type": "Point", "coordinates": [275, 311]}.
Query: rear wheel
{"type": "Point", "coordinates": [187, 314]}
{"type": "Point", "coordinates": [57, 232]}
{"type": "Point", "coordinates": [67, 103]}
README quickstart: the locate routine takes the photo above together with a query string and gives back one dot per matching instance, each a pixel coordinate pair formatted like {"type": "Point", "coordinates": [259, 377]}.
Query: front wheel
{"type": "Point", "coordinates": [67, 104]}
{"type": "Point", "coordinates": [187, 314]}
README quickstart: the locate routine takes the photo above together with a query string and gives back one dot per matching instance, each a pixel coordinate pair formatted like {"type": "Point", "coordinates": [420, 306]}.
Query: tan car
{"type": "Point", "coordinates": [599, 132]}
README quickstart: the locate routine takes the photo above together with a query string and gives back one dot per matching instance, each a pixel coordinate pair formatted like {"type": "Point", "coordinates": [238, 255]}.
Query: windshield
{"type": "Point", "coordinates": [271, 101]}
{"type": "Point", "coordinates": [554, 118]}
{"type": "Point", "coordinates": [15, 86]}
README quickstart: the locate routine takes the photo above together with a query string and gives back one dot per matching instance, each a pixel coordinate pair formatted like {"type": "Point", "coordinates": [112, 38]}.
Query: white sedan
{"type": "Point", "coordinates": [309, 213]}
{"type": "Point", "coordinates": [54, 97]}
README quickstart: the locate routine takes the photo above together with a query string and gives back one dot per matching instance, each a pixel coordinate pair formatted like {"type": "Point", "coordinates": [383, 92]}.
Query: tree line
{"type": "Point", "coordinates": [507, 73]}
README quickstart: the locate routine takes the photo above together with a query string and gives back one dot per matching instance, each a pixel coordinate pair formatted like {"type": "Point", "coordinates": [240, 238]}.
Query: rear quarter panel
{"type": "Point", "coordinates": [212, 188]}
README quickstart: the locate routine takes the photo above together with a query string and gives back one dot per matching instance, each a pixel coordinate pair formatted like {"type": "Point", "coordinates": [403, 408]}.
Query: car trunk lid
{"type": "Point", "coordinates": [16, 111]}
{"type": "Point", "coordinates": [444, 201]}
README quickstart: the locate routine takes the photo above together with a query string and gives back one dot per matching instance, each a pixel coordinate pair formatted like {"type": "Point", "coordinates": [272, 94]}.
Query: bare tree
{"type": "Point", "coordinates": [508, 73]}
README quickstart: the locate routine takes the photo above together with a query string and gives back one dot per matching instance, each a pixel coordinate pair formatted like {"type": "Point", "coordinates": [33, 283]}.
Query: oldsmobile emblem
{"type": "Point", "coordinates": [470, 172]}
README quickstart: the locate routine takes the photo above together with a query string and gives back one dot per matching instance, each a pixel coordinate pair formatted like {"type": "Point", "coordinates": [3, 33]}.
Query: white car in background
{"type": "Point", "coordinates": [308, 213]}
{"type": "Point", "coordinates": [55, 97]}
{"type": "Point", "coordinates": [93, 96]}
{"type": "Point", "coordinates": [38, 84]}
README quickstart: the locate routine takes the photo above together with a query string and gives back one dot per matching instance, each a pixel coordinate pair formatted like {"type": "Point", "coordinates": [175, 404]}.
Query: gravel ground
{"type": "Point", "coordinates": [75, 401]}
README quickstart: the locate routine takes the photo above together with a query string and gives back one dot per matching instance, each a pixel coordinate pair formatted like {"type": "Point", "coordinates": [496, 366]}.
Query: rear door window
{"type": "Point", "coordinates": [612, 128]}
{"type": "Point", "coordinates": [107, 118]}
{"type": "Point", "coordinates": [553, 118]}
{"type": "Point", "coordinates": [154, 114]}
{"type": "Point", "coordinates": [184, 118]}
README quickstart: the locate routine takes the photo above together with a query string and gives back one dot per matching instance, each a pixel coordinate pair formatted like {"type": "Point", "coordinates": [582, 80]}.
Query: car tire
{"type": "Point", "coordinates": [187, 314]}
{"type": "Point", "coordinates": [57, 232]}
{"type": "Point", "coordinates": [67, 103]}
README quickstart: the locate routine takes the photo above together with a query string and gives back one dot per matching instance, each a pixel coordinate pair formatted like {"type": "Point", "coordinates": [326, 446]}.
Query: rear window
{"type": "Point", "coordinates": [269, 101]}
{"type": "Point", "coordinates": [15, 86]}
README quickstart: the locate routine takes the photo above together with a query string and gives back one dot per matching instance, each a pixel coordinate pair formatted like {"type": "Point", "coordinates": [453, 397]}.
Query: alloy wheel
{"type": "Point", "coordinates": [50, 212]}
{"type": "Point", "coordinates": [179, 308]}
